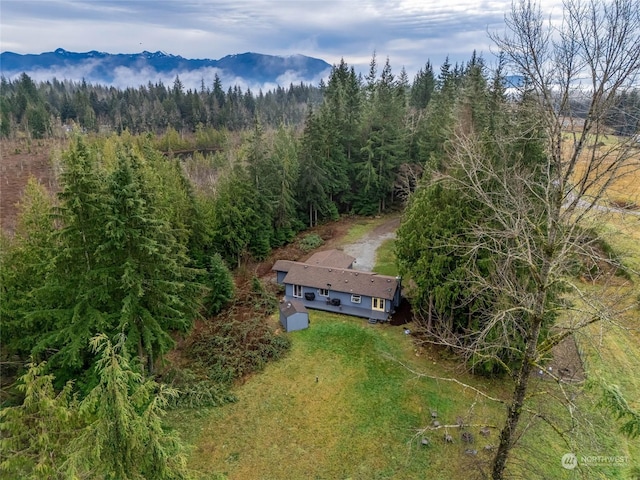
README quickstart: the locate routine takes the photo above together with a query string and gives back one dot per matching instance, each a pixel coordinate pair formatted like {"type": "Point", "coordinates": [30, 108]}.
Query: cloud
{"type": "Point", "coordinates": [124, 77]}
{"type": "Point", "coordinates": [410, 32]}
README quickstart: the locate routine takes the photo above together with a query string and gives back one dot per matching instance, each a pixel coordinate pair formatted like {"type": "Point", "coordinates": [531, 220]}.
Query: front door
{"type": "Point", "coordinates": [377, 304]}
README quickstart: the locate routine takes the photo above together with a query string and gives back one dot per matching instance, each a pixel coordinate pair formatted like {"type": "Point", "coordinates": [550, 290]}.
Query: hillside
{"type": "Point", "coordinates": [135, 69]}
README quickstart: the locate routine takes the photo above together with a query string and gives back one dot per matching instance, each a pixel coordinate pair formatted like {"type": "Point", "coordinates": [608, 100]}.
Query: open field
{"type": "Point", "coordinates": [624, 188]}
{"type": "Point", "coordinates": [340, 406]}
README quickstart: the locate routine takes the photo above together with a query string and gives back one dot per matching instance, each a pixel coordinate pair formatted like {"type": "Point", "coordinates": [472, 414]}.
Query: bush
{"type": "Point", "coordinates": [310, 241]}
{"type": "Point", "coordinates": [231, 347]}
{"type": "Point", "coordinates": [196, 391]}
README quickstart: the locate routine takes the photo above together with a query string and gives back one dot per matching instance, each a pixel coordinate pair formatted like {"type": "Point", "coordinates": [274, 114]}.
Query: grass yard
{"type": "Point", "coordinates": [341, 406]}
{"type": "Point", "coordinates": [612, 352]}
{"type": "Point", "coordinates": [385, 259]}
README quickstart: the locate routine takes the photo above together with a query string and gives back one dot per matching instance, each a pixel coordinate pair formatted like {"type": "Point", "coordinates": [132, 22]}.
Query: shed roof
{"type": "Point", "coordinates": [342, 280]}
{"type": "Point", "coordinates": [331, 258]}
{"type": "Point", "coordinates": [290, 307]}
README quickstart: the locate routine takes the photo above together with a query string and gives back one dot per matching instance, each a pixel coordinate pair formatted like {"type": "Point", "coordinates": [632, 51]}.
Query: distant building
{"type": "Point", "coordinates": [327, 282]}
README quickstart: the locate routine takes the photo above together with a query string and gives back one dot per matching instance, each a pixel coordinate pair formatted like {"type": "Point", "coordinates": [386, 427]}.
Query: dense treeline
{"type": "Point", "coordinates": [362, 150]}
{"type": "Point", "coordinates": [439, 238]}
{"type": "Point", "coordinates": [134, 242]}
{"type": "Point", "coordinates": [41, 109]}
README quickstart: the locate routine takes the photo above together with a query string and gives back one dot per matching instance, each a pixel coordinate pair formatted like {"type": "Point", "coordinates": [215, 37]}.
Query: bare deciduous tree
{"type": "Point", "coordinates": [542, 216]}
{"type": "Point", "coordinates": [543, 219]}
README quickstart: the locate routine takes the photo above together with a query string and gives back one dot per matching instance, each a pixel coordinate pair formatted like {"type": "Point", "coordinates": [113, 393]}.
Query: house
{"type": "Point", "coordinates": [326, 281]}
{"type": "Point", "coordinates": [293, 315]}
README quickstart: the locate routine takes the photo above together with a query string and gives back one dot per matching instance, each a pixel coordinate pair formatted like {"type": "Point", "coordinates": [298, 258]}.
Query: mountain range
{"type": "Point", "coordinates": [123, 70]}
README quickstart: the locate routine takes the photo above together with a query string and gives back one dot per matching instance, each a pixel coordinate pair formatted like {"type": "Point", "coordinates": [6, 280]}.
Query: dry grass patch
{"type": "Point", "coordinates": [624, 189]}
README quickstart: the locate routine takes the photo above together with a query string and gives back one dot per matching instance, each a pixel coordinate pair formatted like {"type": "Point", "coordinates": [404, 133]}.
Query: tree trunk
{"type": "Point", "coordinates": [515, 409]}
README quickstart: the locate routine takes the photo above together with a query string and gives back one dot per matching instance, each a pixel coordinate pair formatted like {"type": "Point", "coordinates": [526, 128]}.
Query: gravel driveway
{"type": "Point", "coordinates": [364, 250]}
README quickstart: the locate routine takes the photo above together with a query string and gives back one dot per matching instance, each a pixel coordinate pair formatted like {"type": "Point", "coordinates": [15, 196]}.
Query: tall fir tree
{"type": "Point", "coordinates": [118, 268]}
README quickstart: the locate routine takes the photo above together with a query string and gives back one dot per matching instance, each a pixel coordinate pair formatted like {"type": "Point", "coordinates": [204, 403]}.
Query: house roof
{"type": "Point", "coordinates": [290, 307]}
{"type": "Point", "coordinates": [342, 280]}
{"type": "Point", "coordinates": [331, 258]}
{"type": "Point", "coordinates": [282, 265]}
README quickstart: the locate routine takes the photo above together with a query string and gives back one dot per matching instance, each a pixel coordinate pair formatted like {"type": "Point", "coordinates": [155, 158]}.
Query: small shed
{"type": "Point", "coordinates": [293, 315]}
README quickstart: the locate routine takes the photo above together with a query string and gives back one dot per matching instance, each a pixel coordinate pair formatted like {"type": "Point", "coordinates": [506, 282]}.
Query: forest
{"type": "Point", "coordinates": [130, 284]}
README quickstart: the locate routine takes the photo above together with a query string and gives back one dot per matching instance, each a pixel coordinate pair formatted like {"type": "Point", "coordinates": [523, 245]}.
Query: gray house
{"type": "Point", "coordinates": [293, 315]}
{"type": "Point", "coordinates": [326, 281]}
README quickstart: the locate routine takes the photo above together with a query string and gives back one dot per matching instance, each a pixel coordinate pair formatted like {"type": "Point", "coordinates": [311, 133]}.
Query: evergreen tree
{"type": "Point", "coordinates": [285, 160]}
{"type": "Point", "coordinates": [436, 125]}
{"type": "Point", "coordinates": [24, 265]}
{"type": "Point", "coordinates": [124, 437]}
{"type": "Point", "coordinates": [240, 228]}
{"type": "Point", "coordinates": [69, 308]}
{"type": "Point", "coordinates": [34, 435]}
{"type": "Point", "coordinates": [422, 88]}
{"type": "Point", "coordinates": [339, 119]}
{"type": "Point", "coordinates": [219, 283]}
{"type": "Point", "coordinates": [153, 289]}
{"type": "Point", "coordinates": [119, 266]}
{"type": "Point", "coordinates": [115, 432]}
{"type": "Point", "coordinates": [313, 197]}
{"type": "Point", "coordinates": [384, 142]}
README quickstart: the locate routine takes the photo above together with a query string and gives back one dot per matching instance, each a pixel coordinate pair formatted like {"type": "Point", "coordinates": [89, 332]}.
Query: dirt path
{"type": "Point", "coordinates": [364, 250]}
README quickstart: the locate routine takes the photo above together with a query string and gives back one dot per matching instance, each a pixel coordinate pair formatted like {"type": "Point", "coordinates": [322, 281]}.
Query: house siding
{"type": "Point", "coordinates": [362, 309]}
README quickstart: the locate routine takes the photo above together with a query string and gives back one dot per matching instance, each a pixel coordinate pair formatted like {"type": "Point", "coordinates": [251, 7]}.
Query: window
{"type": "Point", "coordinates": [377, 304]}
{"type": "Point", "coordinates": [355, 299]}
{"type": "Point", "coordinates": [324, 292]}
{"type": "Point", "coordinates": [297, 291]}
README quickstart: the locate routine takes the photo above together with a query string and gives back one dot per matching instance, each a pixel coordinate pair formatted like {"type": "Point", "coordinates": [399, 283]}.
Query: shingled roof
{"type": "Point", "coordinates": [292, 306]}
{"type": "Point", "coordinates": [342, 280]}
{"type": "Point", "coordinates": [331, 258]}
{"type": "Point", "coordinates": [282, 265]}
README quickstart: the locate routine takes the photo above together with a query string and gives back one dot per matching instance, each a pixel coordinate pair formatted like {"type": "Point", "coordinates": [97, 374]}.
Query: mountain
{"type": "Point", "coordinates": [122, 70]}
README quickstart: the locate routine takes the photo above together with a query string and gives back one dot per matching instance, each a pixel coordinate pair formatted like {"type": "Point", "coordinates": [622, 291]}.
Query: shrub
{"type": "Point", "coordinates": [231, 347]}
{"type": "Point", "coordinates": [310, 241]}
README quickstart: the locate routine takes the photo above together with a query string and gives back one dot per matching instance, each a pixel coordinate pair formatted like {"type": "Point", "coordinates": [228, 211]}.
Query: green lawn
{"type": "Point", "coordinates": [385, 259]}
{"type": "Point", "coordinates": [340, 406]}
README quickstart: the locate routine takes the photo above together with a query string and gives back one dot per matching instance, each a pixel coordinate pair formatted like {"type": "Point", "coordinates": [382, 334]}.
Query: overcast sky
{"type": "Point", "coordinates": [409, 32]}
